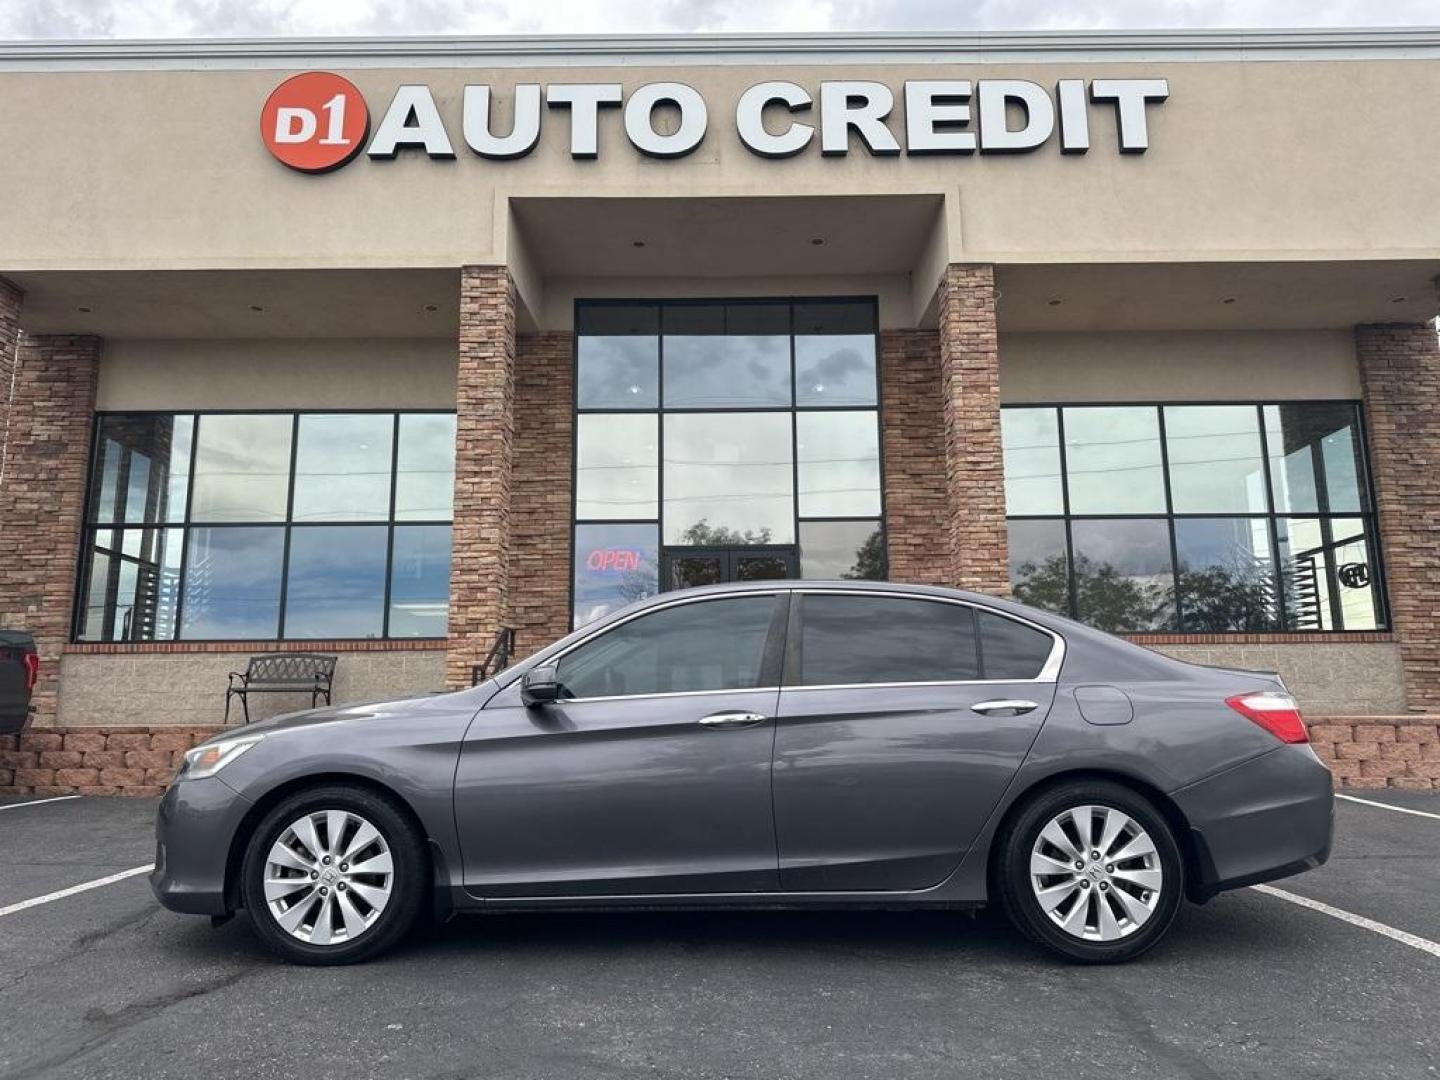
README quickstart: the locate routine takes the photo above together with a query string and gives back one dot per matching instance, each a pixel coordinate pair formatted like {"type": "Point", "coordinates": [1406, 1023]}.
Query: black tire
{"type": "Point", "coordinates": [1012, 880]}
{"type": "Point", "coordinates": [409, 880]}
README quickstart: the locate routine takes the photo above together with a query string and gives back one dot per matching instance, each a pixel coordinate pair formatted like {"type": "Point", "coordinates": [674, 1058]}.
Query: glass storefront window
{"type": "Point", "coordinates": [342, 467]}
{"type": "Point", "coordinates": [232, 583]}
{"type": "Point", "coordinates": [1329, 574]}
{"type": "Point", "coordinates": [1216, 464]}
{"type": "Point", "coordinates": [1226, 575]}
{"type": "Point", "coordinates": [242, 468]}
{"type": "Point", "coordinates": [616, 470]}
{"type": "Point", "coordinates": [618, 372]}
{"type": "Point", "coordinates": [142, 469]}
{"type": "Point", "coordinates": [1315, 462]}
{"type": "Point", "coordinates": [763, 418]}
{"type": "Point", "coordinates": [1112, 460]}
{"type": "Point", "coordinates": [425, 467]}
{"type": "Point", "coordinates": [130, 585]}
{"type": "Point", "coordinates": [335, 586]}
{"type": "Point", "coordinates": [420, 581]}
{"type": "Point", "coordinates": [254, 521]}
{"type": "Point", "coordinates": [1031, 442]}
{"type": "Point", "coordinates": [1039, 570]}
{"type": "Point", "coordinates": [615, 565]}
{"type": "Point", "coordinates": [838, 454]}
{"type": "Point", "coordinates": [850, 550]}
{"type": "Point", "coordinates": [1296, 556]}
{"type": "Point", "coordinates": [729, 479]}
{"type": "Point", "coordinates": [726, 371]}
{"type": "Point", "coordinates": [834, 369]}
{"type": "Point", "coordinates": [1123, 574]}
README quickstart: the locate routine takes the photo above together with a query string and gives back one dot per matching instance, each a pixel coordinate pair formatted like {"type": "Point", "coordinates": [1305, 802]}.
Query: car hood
{"type": "Point", "coordinates": [355, 712]}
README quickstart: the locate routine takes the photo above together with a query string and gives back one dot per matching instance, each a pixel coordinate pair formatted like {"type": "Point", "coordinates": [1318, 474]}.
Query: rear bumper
{"type": "Point", "coordinates": [193, 832]}
{"type": "Point", "coordinates": [1269, 818]}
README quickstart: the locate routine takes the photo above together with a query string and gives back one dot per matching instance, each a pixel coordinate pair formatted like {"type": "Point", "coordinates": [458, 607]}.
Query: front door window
{"type": "Point", "coordinates": [688, 568]}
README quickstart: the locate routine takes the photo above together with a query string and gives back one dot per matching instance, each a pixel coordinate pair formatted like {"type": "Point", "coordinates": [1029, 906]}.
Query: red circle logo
{"type": "Point", "coordinates": [315, 122]}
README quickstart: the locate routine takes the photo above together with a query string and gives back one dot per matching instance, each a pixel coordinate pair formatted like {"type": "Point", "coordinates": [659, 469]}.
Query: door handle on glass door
{"type": "Point", "coordinates": [725, 720]}
{"type": "Point", "coordinates": [1004, 707]}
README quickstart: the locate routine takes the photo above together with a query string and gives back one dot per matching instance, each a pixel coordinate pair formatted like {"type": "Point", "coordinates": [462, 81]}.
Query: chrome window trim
{"type": "Point", "coordinates": [1049, 671]}
{"type": "Point", "coordinates": [667, 694]}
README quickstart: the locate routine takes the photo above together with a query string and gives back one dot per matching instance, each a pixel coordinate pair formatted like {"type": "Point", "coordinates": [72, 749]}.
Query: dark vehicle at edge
{"type": "Point", "coordinates": [785, 743]}
{"type": "Point", "coordinates": [19, 668]}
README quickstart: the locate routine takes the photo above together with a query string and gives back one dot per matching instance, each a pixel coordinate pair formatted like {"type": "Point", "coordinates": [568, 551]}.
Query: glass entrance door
{"type": "Point", "coordinates": [685, 568]}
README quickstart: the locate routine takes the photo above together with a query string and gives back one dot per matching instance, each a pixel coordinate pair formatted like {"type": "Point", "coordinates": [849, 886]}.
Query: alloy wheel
{"type": "Point", "coordinates": [1096, 873]}
{"type": "Point", "coordinates": [328, 877]}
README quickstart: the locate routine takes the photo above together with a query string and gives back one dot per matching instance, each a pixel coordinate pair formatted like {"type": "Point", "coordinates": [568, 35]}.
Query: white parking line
{"type": "Point", "coordinates": [37, 802]}
{"type": "Point", "coordinates": [1415, 941]}
{"type": "Point", "coordinates": [1388, 806]}
{"type": "Point", "coordinates": [73, 889]}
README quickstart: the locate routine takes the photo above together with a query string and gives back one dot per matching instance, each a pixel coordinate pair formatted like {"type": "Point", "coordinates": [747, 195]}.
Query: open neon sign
{"type": "Point", "coordinates": [609, 559]}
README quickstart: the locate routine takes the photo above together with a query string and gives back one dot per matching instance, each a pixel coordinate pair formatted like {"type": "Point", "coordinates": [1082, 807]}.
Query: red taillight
{"type": "Point", "coordinates": [1276, 713]}
{"type": "Point", "coordinates": [32, 670]}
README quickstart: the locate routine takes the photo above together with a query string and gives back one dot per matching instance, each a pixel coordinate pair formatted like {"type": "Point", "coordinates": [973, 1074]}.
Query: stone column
{"type": "Point", "coordinates": [1400, 377]}
{"type": "Point", "coordinates": [970, 402]}
{"type": "Point", "coordinates": [10, 299]}
{"type": "Point", "coordinates": [484, 440]}
{"type": "Point", "coordinates": [917, 538]}
{"type": "Point", "coordinates": [540, 555]}
{"type": "Point", "coordinates": [42, 499]}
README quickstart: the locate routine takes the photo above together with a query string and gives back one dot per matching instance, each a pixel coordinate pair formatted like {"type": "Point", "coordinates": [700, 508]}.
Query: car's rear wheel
{"type": "Point", "coordinates": [1091, 870]}
{"type": "Point", "coordinates": [334, 875]}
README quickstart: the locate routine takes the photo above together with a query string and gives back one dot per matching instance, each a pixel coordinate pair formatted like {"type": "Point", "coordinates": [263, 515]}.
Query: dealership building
{"type": "Point", "coordinates": [413, 352]}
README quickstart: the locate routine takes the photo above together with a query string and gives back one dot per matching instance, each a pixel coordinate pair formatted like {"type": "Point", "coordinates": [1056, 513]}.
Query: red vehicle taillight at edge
{"type": "Point", "coordinates": [1276, 713]}
{"type": "Point", "coordinates": [32, 670]}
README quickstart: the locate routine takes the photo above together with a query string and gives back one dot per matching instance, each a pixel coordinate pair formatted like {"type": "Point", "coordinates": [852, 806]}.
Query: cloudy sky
{"type": "Point", "coordinates": [244, 18]}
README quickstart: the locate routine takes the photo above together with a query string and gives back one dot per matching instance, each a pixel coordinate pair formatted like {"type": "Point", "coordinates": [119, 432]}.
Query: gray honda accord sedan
{"type": "Point", "coordinates": [778, 743]}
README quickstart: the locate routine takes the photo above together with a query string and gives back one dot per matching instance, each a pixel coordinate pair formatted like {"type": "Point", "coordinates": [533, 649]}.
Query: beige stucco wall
{"type": "Point", "coordinates": [283, 374]}
{"type": "Point", "coordinates": [1190, 365]}
{"type": "Point", "coordinates": [189, 688]}
{"type": "Point", "coordinates": [1272, 159]}
{"type": "Point", "coordinates": [1328, 679]}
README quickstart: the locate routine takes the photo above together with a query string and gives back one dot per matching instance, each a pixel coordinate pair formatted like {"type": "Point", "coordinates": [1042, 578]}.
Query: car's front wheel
{"type": "Point", "coordinates": [1091, 870]}
{"type": "Point", "coordinates": [334, 875]}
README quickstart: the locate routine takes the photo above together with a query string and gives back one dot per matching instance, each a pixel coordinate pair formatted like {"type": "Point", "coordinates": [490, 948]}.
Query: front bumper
{"type": "Point", "coordinates": [193, 832]}
{"type": "Point", "coordinates": [1269, 818]}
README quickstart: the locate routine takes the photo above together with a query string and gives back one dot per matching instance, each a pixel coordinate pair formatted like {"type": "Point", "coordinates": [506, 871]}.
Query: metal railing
{"type": "Point", "coordinates": [497, 659]}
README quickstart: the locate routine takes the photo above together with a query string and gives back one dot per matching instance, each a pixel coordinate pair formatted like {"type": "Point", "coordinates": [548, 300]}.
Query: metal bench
{"type": "Point", "coordinates": [282, 673]}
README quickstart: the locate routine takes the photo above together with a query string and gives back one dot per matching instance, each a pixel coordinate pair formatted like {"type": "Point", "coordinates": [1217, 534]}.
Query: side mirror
{"type": "Point", "coordinates": [541, 684]}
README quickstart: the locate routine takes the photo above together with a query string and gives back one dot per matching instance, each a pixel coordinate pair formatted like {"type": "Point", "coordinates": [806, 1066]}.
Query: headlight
{"type": "Point", "coordinates": [209, 759]}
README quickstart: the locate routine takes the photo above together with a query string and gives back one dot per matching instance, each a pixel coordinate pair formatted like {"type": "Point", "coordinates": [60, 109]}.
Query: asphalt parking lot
{"type": "Point", "coordinates": [104, 983]}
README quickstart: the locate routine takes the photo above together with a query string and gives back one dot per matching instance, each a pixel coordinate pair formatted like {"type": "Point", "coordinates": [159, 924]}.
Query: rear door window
{"type": "Point", "coordinates": [707, 645]}
{"type": "Point", "coordinates": [857, 640]}
{"type": "Point", "coordinates": [1011, 650]}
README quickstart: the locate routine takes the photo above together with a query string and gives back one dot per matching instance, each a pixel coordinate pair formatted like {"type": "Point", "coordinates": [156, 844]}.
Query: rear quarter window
{"type": "Point", "coordinates": [1010, 649]}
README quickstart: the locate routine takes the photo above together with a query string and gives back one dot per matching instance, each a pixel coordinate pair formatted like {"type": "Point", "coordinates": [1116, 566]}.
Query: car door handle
{"type": "Point", "coordinates": [726, 720]}
{"type": "Point", "coordinates": [1004, 707]}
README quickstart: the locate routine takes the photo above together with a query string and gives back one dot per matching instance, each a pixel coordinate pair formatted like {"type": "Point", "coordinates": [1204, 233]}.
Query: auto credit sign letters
{"type": "Point", "coordinates": [318, 121]}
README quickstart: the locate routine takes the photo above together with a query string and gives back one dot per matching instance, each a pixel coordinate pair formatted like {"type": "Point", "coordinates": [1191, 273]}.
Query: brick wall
{"type": "Point", "coordinates": [114, 761]}
{"type": "Point", "coordinates": [1400, 377]}
{"type": "Point", "coordinates": [1379, 751]}
{"type": "Point", "coordinates": [43, 497]}
{"type": "Point", "coordinates": [540, 519]}
{"type": "Point", "coordinates": [10, 298]}
{"type": "Point", "coordinates": [484, 438]}
{"type": "Point", "coordinates": [914, 436]}
{"type": "Point", "coordinates": [970, 396]}
{"type": "Point", "coordinates": [1362, 752]}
